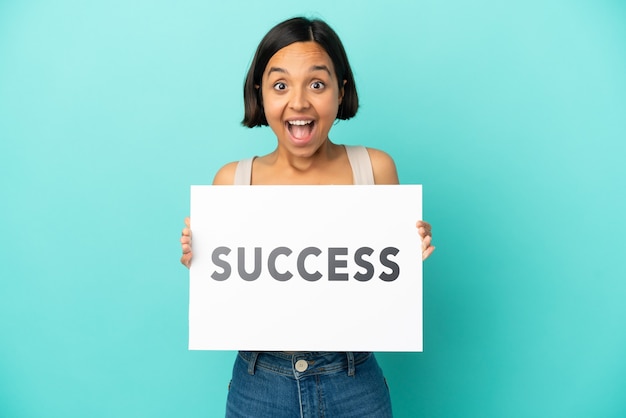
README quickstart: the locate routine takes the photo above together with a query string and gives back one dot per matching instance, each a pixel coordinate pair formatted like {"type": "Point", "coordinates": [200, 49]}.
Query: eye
{"type": "Point", "coordinates": [317, 85]}
{"type": "Point", "coordinates": [280, 86]}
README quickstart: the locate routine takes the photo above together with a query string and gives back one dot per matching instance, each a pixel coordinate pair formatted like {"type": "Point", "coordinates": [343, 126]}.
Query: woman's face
{"type": "Point", "coordinates": [301, 96]}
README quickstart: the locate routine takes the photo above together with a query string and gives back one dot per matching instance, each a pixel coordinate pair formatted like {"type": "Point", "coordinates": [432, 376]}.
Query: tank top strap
{"type": "Point", "coordinates": [362, 172]}
{"type": "Point", "coordinates": [243, 172]}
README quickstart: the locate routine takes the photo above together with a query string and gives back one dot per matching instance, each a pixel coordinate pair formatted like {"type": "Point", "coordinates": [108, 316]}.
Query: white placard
{"type": "Point", "coordinates": [340, 268]}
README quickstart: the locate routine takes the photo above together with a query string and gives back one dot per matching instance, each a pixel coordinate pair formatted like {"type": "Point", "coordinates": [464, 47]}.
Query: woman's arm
{"type": "Point", "coordinates": [224, 176]}
{"type": "Point", "coordinates": [385, 173]}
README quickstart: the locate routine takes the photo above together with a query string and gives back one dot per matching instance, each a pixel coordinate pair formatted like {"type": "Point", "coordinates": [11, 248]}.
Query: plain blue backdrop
{"type": "Point", "coordinates": [511, 114]}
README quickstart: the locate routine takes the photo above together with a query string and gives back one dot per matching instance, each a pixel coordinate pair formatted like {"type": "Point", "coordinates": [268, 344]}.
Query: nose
{"type": "Point", "coordinates": [299, 99]}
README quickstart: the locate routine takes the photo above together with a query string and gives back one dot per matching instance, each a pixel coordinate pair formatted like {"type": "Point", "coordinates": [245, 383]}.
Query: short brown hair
{"type": "Point", "coordinates": [298, 29]}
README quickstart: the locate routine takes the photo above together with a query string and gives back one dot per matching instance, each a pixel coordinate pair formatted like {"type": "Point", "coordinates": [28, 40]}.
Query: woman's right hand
{"type": "Point", "coordinates": [185, 243]}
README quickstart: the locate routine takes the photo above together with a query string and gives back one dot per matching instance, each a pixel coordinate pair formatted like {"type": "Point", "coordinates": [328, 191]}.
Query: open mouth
{"type": "Point", "coordinates": [300, 129]}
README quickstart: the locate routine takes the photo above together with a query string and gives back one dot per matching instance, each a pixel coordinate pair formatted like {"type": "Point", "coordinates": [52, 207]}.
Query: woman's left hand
{"type": "Point", "coordinates": [424, 230]}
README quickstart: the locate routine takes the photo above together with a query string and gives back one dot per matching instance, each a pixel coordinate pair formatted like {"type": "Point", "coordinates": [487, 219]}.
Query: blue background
{"type": "Point", "coordinates": [511, 114]}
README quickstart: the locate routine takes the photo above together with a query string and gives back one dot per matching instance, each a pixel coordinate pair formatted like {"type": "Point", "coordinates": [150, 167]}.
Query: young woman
{"type": "Point", "coordinates": [300, 83]}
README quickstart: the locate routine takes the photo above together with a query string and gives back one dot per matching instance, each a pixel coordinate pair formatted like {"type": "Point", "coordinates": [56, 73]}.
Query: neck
{"type": "Point", "coordinates": [302, 163]}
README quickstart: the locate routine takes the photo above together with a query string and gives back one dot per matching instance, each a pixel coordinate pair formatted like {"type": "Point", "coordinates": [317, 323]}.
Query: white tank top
{"type": "Point", "coordinates": [357, 155]}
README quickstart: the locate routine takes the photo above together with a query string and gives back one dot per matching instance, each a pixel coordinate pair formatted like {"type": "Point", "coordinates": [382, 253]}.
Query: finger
{"type": "Point", "coordinates": [423, 233]}
{"type": "Point", "coordinates": [427, 252]}
{"type": "Point", "coordinates": [187, 229]}
{"type": "Point", "coordinates": [426, 242]}
{"type": "Point", "coordinates": [185, 241]}
{"type": "Point", "coordinates": [425, 225]}
{"type": "Point", "coordinates": [186, 259]}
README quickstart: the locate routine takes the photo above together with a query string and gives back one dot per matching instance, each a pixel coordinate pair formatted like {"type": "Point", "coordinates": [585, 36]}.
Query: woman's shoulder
{"type": "Point", "coordinates": [226, 174]}
{"type": "Point", "coordinates": [378, 155]}
{"type": "Point", "coordinates": [383, 166]}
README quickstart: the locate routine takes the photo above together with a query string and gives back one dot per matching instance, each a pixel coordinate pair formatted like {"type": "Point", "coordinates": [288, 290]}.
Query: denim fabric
{"type": "Point", "coordinates": [334, 385]}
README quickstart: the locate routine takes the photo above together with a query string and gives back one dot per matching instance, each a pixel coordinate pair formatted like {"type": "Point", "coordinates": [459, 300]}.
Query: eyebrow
{"type": "Point", "coordinates": [312, 69]}
{"type": "Point", "coordinates": [321, 68]}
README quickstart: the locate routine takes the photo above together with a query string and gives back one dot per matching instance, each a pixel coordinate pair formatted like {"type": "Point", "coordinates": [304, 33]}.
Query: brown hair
{"type": "Point", "coordinates": [298, 29]}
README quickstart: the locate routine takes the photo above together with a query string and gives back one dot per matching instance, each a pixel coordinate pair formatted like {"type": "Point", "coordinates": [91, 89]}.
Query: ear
{"type": "Point", "coordinates": [342, 91]}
